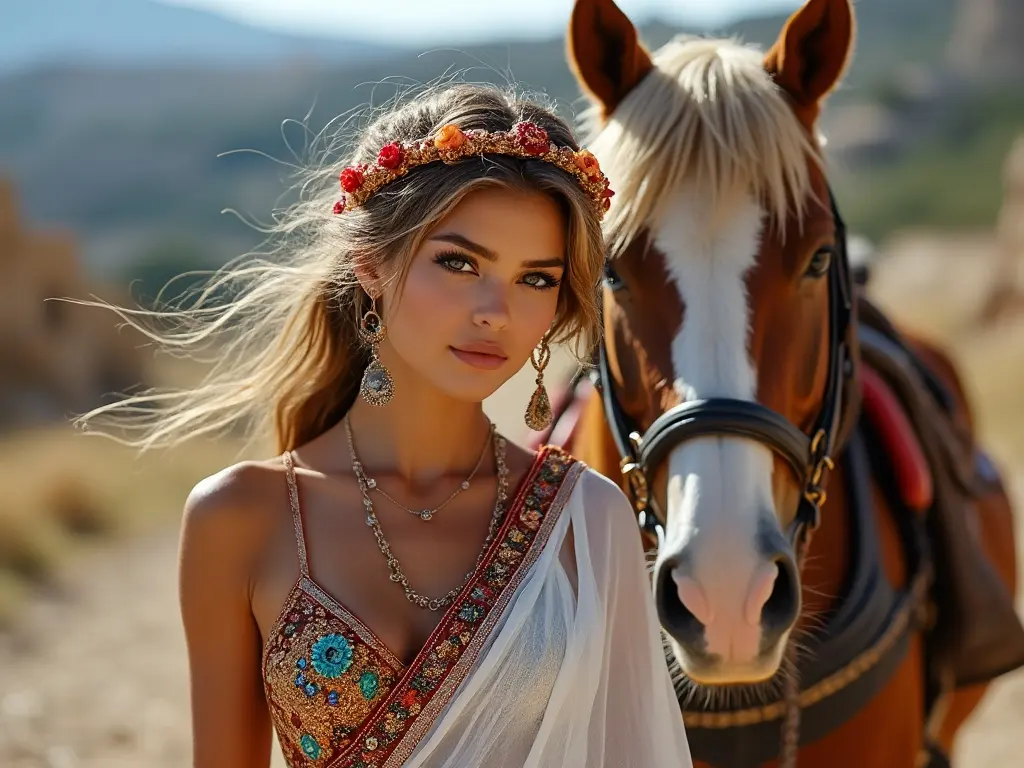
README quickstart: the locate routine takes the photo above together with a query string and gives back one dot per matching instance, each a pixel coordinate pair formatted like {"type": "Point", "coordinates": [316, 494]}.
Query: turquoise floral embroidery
{"type": "Point", "coordinates": [310, 747]}
{"type": "Point", "coordinates": [369, 683]}
{"type": "Point", "coordinates": [307, 687]}
{"type": "Point", "coordinates": [331, 656]}
{"type": "Point", "coordinates": [471, 612]}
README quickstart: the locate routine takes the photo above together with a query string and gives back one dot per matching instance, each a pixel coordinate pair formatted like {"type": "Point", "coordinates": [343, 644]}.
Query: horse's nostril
{"type": "Point", "coordinates": [678, 620]}
{"type": "Point", "coordinates": [783, 604]}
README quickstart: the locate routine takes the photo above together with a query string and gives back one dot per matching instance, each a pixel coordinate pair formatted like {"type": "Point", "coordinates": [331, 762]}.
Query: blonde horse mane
{"type": "Point", "coordinates": [707, 115]}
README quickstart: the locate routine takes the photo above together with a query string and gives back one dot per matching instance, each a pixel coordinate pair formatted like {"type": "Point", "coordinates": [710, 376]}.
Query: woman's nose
{"type": "Point", "coordinates": [492, 308]}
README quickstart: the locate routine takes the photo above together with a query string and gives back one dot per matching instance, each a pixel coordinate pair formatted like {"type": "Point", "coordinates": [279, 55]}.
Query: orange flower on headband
{"type": "Point", "coordinates": [587, 163]}
{"type": "Point", "coordinates": [449, 137]}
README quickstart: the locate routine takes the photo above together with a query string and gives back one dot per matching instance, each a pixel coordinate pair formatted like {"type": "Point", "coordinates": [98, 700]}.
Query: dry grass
{"type": "Point", "coordinates": [936, 286]}
{"type": "Point", "coordinates": [64, 490]}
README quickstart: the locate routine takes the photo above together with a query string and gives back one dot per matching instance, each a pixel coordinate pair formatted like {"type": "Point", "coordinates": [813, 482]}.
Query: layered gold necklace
{"type": "Point", "coordinates": [367, 485]}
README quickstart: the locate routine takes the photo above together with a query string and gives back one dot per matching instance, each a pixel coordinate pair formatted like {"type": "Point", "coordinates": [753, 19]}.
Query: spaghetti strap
{"type": "Point", "coordinates": [293, 501]}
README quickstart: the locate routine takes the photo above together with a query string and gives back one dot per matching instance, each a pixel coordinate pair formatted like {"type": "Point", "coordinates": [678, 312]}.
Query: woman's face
{"type": "Point", "coordinates": [480, 292]}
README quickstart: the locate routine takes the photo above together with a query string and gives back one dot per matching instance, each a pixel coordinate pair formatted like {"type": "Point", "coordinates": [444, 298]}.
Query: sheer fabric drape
{"type": "Point", "coordinates": [574, 675]}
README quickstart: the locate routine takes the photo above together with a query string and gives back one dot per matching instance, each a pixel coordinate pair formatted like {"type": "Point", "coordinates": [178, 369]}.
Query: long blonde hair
{"type": "Point", "coordinates": [283, 323]}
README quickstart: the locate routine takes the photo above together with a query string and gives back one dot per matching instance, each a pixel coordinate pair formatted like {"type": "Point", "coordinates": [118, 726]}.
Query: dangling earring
{"type": "Point", "coordinates": [377, 387]}
{"type": "Point", "coordinates": [538, 412]}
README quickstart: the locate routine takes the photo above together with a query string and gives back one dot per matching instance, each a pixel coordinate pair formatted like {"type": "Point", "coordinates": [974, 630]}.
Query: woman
{"type": "Point", "coordinates": [403, 586]}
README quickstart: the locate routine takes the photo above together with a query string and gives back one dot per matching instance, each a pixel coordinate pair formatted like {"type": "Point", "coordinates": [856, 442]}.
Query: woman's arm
{"type": "Point", "coordinates": [230, 722]}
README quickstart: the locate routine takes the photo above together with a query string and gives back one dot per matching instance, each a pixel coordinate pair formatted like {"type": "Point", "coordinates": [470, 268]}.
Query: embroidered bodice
{"type": "Point", "coordinates": [338, 697]}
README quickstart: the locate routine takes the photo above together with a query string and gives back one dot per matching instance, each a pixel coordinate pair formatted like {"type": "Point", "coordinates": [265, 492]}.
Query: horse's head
{"type": "Point", "coordinates": [721, 237]}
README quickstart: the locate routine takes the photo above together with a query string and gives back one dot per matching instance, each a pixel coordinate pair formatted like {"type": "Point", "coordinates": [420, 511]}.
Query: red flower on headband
{"type": "Point", "coordinates": [532, 138]}
{"type": "Point", "coordinates": [390, 155]}
{"type": "Point", "coordinates": [608, 193]}
{"type": "Point", "coordinates": [339, 207]}
{"type": "Point", "coordinates": [351, 178]}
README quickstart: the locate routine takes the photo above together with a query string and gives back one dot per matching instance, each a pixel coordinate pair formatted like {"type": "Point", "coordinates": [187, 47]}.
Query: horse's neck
{"type": "Point", "coordinates": [829, 558]}
{"type": "Point", "coordinates": [594, 444]}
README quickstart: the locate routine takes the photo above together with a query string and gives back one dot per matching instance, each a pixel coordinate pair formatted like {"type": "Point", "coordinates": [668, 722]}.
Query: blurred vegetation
{"type": "Point", "coordinates": [952, 178]}
{"type": "Point", "coordinates": [67, 492]}
{"type": "Point", "coordinates": [171, 270]}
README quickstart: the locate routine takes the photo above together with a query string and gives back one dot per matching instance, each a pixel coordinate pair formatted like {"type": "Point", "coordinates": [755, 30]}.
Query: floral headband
{"type": "Point", "coordinates": [451, 143]}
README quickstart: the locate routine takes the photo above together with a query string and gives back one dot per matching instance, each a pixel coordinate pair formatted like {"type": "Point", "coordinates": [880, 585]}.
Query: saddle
{"type": "Point", "coordinates": [941, 473]}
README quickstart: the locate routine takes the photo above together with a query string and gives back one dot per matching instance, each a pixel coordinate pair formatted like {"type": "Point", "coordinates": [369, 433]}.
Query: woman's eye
{"type": "Point", "coordinates": [820, 263]}
{"type": "Point", "coordinates": [455, 263]}
{"type": "Point", "coordinates": [540, 280]}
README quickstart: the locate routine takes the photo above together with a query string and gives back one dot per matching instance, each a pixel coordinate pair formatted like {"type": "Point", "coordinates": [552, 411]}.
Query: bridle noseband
{"type": "Point", "coordinates": [810, 456]}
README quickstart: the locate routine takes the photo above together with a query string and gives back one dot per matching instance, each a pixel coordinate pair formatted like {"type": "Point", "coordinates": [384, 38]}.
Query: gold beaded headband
{"type": "Point", "coordinates": [451, 143]}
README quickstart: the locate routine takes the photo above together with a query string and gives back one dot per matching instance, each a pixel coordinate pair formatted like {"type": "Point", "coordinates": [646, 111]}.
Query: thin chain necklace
{"type": "Point", "coordinates": [397, 575]}
{"type": "Point", "coordinates": [428, 513]}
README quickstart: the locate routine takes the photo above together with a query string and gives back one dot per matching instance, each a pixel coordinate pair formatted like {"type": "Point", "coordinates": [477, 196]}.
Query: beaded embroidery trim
{"type": "Point", "coordinates": [339, 697]}
{"type": "Point", "coordinates": [431, 680]}
{"type": "Point", "coordinates": [464, 665]}
{"type": "Point", "coordinates": [451, 144]}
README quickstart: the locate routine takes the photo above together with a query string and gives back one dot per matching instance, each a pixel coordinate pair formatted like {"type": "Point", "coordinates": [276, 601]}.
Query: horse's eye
{"type": "Point", "coordinates": [820, 262]}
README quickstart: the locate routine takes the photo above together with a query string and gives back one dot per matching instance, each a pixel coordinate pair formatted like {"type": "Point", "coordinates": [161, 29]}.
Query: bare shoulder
{"type": "Point", "coordinates": [233, 510]}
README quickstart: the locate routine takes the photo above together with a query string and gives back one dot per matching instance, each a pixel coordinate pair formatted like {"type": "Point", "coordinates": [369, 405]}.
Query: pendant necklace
{"type": "Point", "coordinates": [397, 575]}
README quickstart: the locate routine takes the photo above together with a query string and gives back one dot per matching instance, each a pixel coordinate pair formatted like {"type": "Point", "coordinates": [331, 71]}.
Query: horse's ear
{"type": "Point", "coordinates": [811, 53]}
{"type": "Point", "coordinates": [605, 52]}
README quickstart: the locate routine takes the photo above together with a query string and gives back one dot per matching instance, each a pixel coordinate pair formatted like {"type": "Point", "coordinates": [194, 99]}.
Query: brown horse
{"type": "Point", "coordinates": [733, 357]}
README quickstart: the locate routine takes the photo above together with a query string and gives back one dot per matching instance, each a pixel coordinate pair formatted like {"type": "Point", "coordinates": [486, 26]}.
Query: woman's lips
{"type": "Point", "coordinates": [487, 357]}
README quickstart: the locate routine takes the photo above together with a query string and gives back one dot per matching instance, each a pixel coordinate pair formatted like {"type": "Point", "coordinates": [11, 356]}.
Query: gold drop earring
{"type": "Point", "coordinates": [377, 387]}
{"type": "Point", "coordinates": [538, 412]}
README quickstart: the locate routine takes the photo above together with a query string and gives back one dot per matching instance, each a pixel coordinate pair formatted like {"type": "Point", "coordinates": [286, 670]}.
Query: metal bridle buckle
{"type": "Point", "coordinates": [637, 481]}
{"type": "Point", "coordinates": [635, 477]}
{"type": "Point", "coordinates": [815, 493]}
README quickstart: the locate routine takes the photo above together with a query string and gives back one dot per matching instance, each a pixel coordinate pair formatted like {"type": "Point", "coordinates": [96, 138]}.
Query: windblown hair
{"type": "Point", "coordinates": [288, 356]}
{"type": "Point", "coordinates": [708, 115]}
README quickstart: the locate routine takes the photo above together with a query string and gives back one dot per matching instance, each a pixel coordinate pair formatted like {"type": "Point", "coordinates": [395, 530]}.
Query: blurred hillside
{"type": "Point", "coordinates": [127, 156]}
{"type": "Point", "coordinates": [147, 33]}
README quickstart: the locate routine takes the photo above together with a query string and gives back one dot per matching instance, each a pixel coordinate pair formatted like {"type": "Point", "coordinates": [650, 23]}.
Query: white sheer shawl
{"type": "Point", "coordinates": [573, 675]}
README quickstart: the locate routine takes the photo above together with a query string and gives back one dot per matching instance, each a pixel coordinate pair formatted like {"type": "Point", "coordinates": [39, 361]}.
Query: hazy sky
{"type": "Point", "coordinates": [439, 21]}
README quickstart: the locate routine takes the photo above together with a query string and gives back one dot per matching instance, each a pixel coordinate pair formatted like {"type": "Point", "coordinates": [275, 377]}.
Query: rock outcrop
{"type": "Point", "coordinates": [1007, 293]}
{"type": "Point", "coordinates": [56, 359]}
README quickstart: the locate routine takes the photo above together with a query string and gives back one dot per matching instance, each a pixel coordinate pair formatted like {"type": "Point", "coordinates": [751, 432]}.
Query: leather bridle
{"type": "Point", "coordinates": [810, 456]}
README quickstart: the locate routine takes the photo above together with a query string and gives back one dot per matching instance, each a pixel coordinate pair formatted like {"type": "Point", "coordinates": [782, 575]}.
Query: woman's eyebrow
{"type": "Point", "coordinates": [464, 242]}
{"type": "Point", "coordinates": [556, 262]}
{"type": "Point", "coordinates": [454, 238]}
